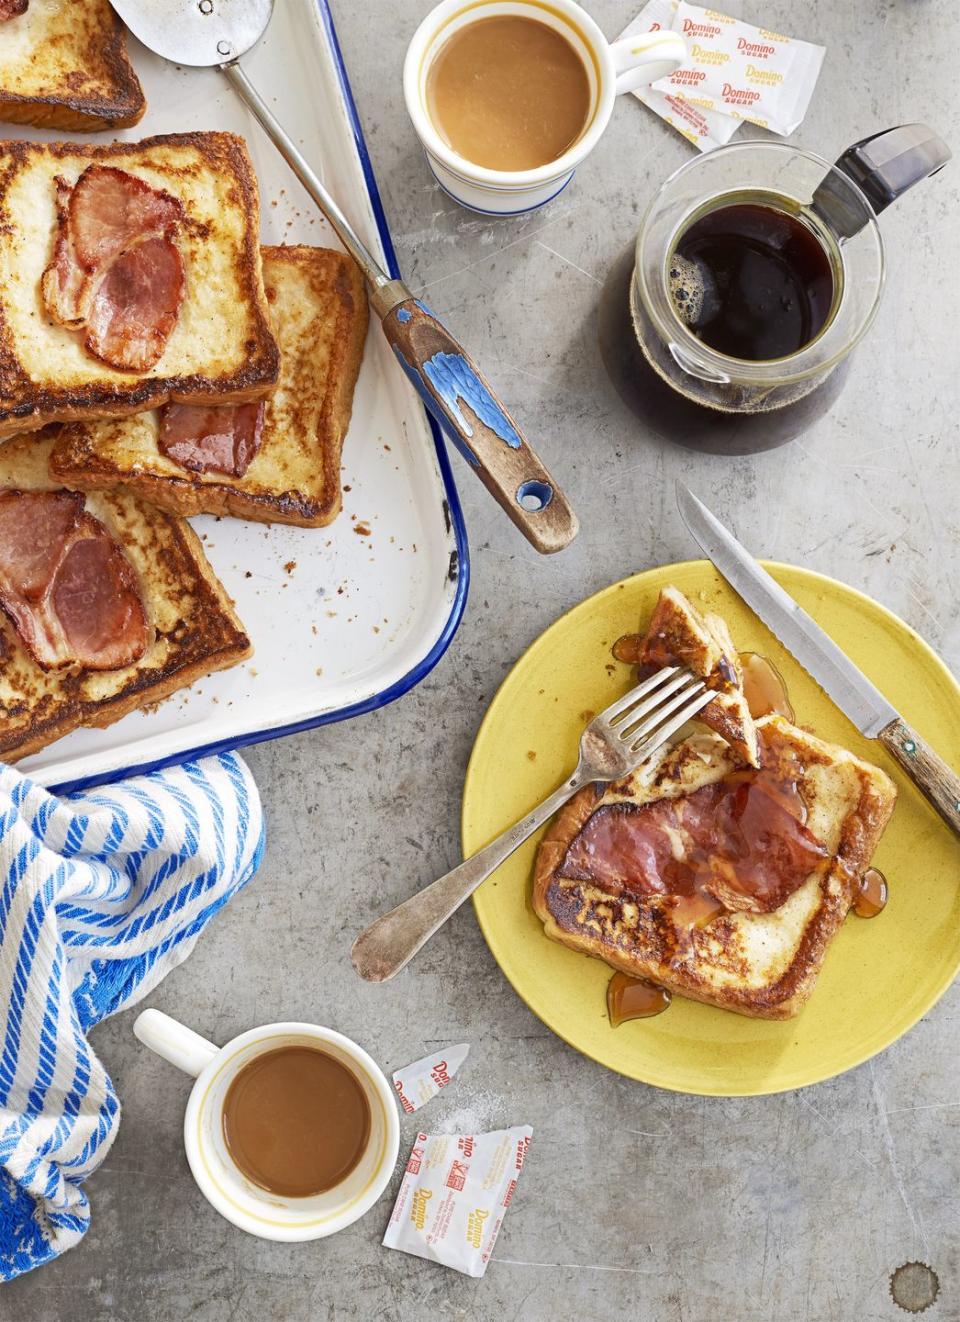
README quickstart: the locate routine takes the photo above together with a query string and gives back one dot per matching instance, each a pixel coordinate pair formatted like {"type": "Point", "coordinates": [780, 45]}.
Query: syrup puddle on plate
{"type": "Point", "coordinates": [873, 894]}
{"type": "Point", "coordinates": [764, 688]}
{"type": "Point", "coordinates": [634, 998]}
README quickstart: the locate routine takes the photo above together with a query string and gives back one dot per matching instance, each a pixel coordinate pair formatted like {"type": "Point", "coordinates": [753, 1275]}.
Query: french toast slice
{"type": "Point", "coordinates": [760, 964]}
{"type": "Point", "coordinates": [64, 65]}
{"type": "Point", "coordinates": [193, 628]}
{"type": "Point", "coordinates": [722, 868]}
{"type": "Point", "coordinates": [678, 634]}
{"type": "Point", "coordinates": [318, 308]}
{"type": "Point", "coordinates": [220, 349]}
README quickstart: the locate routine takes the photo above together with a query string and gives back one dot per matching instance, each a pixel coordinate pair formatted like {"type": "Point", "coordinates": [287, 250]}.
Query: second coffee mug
{"type": "Point", "coordinates": [610, 68]}
{"type": "Point", "coordinates": [237, 1197]}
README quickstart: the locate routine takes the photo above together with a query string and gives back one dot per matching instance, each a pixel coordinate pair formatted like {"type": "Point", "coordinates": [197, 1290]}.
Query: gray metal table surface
{"type": "Point", "coordinates": [634, 1202]}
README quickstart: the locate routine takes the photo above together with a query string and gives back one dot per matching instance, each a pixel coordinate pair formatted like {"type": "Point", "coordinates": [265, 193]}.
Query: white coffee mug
{"type": "Point", "coordinates": [620, 66]}
{"type": "Point", "coordinates": [272, 1216]}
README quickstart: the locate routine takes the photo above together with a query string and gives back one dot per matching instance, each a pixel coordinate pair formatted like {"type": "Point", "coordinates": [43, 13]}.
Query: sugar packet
{"type": "Point", "coordinates": [417, 1083]}
{"type": "Point", "coordinates": [743, 71]}
{"type": "Point", "coordinates": [454, 1195]}
{"type": "Point", "coordinates": [705, 128]}
{"type": "Point", "coordinates": [734, 72]}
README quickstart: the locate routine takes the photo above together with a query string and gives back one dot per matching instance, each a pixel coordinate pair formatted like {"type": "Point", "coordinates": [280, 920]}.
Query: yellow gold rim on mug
{"type": "Point", "coordinates": [256, 1216]}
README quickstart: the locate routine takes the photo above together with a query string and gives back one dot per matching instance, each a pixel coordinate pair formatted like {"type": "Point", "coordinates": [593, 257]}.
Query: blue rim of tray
{"type": "Point", "coordinates": [452, 512]}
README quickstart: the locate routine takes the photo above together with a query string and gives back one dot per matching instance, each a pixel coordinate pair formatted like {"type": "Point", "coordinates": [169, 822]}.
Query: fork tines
{"type": "Point", "coordinates": [649, 714]}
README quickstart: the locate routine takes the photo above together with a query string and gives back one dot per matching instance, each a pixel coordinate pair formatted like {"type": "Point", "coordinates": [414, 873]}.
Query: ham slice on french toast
{"type": "Point", "coordinates": [722, 869]}
{"type": "Point", "coordinates": [275, 462]}
{"type": "Point", "coordinates": [130, 275]}
{"type": "Point", "coordinates": [106, 605]}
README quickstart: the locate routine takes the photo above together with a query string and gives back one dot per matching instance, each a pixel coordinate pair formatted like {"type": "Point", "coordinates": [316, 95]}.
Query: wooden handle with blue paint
{"type": "Point", "coordinates": [472, 416]}
{"type": "Point", "coordinates": [928, 771]}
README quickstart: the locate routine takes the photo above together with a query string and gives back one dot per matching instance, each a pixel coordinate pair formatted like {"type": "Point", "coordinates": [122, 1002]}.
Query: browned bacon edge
{"type": "Point", "coordinates": [12, 9]}
{"type": "Point", "coordinates": [66, 584]}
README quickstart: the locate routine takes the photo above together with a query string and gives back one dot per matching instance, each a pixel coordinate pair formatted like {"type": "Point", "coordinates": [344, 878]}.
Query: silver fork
{"type": "Point", "coordinates": [614, 743]}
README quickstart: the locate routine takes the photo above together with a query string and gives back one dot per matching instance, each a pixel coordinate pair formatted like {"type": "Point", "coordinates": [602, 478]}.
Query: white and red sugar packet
{"type": "Point", "coordinates": [454, 1195]}
{"type": "Point", "coordinates": [415, 1084]}
{"type": "Point", "coordinates": [706, 129]}
{"type": "Point", "coordinates": [734, 72]}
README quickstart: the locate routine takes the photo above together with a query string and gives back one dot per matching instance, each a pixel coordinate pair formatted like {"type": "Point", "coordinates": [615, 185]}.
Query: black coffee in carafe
{"type": "Point", "coordinates": [728, 325]}
{"type": "Point", "coordinates": [751, 281]}
{"type": "Point", "coordinates": [740, 419]}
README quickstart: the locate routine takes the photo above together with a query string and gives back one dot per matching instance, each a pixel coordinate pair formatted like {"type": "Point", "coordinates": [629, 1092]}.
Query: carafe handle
{"type": "Point", "coordinates": [883, 167]}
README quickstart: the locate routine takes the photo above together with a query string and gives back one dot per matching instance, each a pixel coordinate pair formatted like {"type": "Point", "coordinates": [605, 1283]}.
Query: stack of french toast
{"type": "Point", "coordinates": [155, 363]}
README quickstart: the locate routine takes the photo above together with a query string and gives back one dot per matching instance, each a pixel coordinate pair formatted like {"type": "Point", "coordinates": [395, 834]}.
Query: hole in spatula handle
{"type": "Point", "coordinates": [534, 495]}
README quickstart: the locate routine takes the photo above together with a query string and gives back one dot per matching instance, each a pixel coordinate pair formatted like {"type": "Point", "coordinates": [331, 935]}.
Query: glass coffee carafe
{"type": "Point", "coordinates": [728, 325]}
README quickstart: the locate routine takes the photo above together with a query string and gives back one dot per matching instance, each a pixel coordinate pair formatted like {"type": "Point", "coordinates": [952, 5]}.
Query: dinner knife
{"type": "Point", "coordinates": [841, 680]}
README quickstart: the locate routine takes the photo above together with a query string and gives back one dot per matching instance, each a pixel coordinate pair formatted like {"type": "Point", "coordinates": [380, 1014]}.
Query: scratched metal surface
{"type": "Point", "coordinates": [634, 1203]}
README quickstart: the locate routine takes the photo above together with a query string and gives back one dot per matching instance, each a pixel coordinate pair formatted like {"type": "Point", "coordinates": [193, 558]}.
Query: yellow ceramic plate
{"type": "Point", "coordinates": [880, 975]}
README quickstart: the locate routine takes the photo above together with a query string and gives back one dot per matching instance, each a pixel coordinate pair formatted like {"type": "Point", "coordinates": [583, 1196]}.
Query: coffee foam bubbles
{"type": "Point", "coordinates": [693, 291]}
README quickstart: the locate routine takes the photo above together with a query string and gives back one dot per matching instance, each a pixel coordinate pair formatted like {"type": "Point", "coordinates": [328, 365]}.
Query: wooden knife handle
{"type": "Point", "coordinates": [472, 416]}
{"type": "Point", "coordinates": [929, 773]}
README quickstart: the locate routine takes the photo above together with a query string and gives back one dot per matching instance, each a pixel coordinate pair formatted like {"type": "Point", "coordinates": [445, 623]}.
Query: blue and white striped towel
{"type": "Point", "coordinates": [103, 893]}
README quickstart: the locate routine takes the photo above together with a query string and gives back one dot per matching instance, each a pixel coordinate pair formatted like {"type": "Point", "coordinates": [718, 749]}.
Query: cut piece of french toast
{"type": "Point", "coordinates": [163, 594]}
{"type": "Point", "coordinates": [290, 471]}
{"type": "Point", "coordinates": [722, 868]}
{"type": "Point", "coordinates": [679, 635]}
{"type": "Point", "coordinates": [217, 344]}
{"type": "Point", "coordinates": [64, 65]}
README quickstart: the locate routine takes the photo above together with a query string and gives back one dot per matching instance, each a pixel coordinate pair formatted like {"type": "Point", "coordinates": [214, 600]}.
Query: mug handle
{"type": "Point", "coordinates": [645, 57]}
{"type": "Point", "coordinates": [180, 1045]}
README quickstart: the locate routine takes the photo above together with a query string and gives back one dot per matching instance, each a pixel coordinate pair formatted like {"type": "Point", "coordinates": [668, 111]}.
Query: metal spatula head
{"type": "Point", "coordinates": [196, 32]}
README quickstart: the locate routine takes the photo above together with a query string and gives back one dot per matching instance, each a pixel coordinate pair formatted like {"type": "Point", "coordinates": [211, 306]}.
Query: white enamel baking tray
{"type": "Point", "coordinates": [342, 619]}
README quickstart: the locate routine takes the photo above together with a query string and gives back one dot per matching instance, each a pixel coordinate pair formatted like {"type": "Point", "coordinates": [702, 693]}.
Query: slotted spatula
{"type": "Point", "coordinates": [207, 33]}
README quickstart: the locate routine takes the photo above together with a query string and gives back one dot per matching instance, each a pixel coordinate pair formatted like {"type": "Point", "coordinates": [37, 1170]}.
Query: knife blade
{"type": "Point", "coordinates": [843, 682]}
{"type": "Point", "coordinates": [819, 655]}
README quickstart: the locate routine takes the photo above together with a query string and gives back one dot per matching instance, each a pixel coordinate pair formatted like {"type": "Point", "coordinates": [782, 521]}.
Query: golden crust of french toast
{"type": "Point", "coordinates": [64, 65]}
{"type": "Point", "coordinates": [318, 307]}
{"type": "Point", "coordinates": [194, 628]}
{"type": "Point", "coordinates": [762, 965]}
{"type": "Point", "coordinates": [221, 349]}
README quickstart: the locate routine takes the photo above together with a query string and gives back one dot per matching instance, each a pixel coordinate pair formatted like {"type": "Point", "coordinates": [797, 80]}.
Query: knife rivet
{"type": "Point", "coordinates": [909, 747]}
